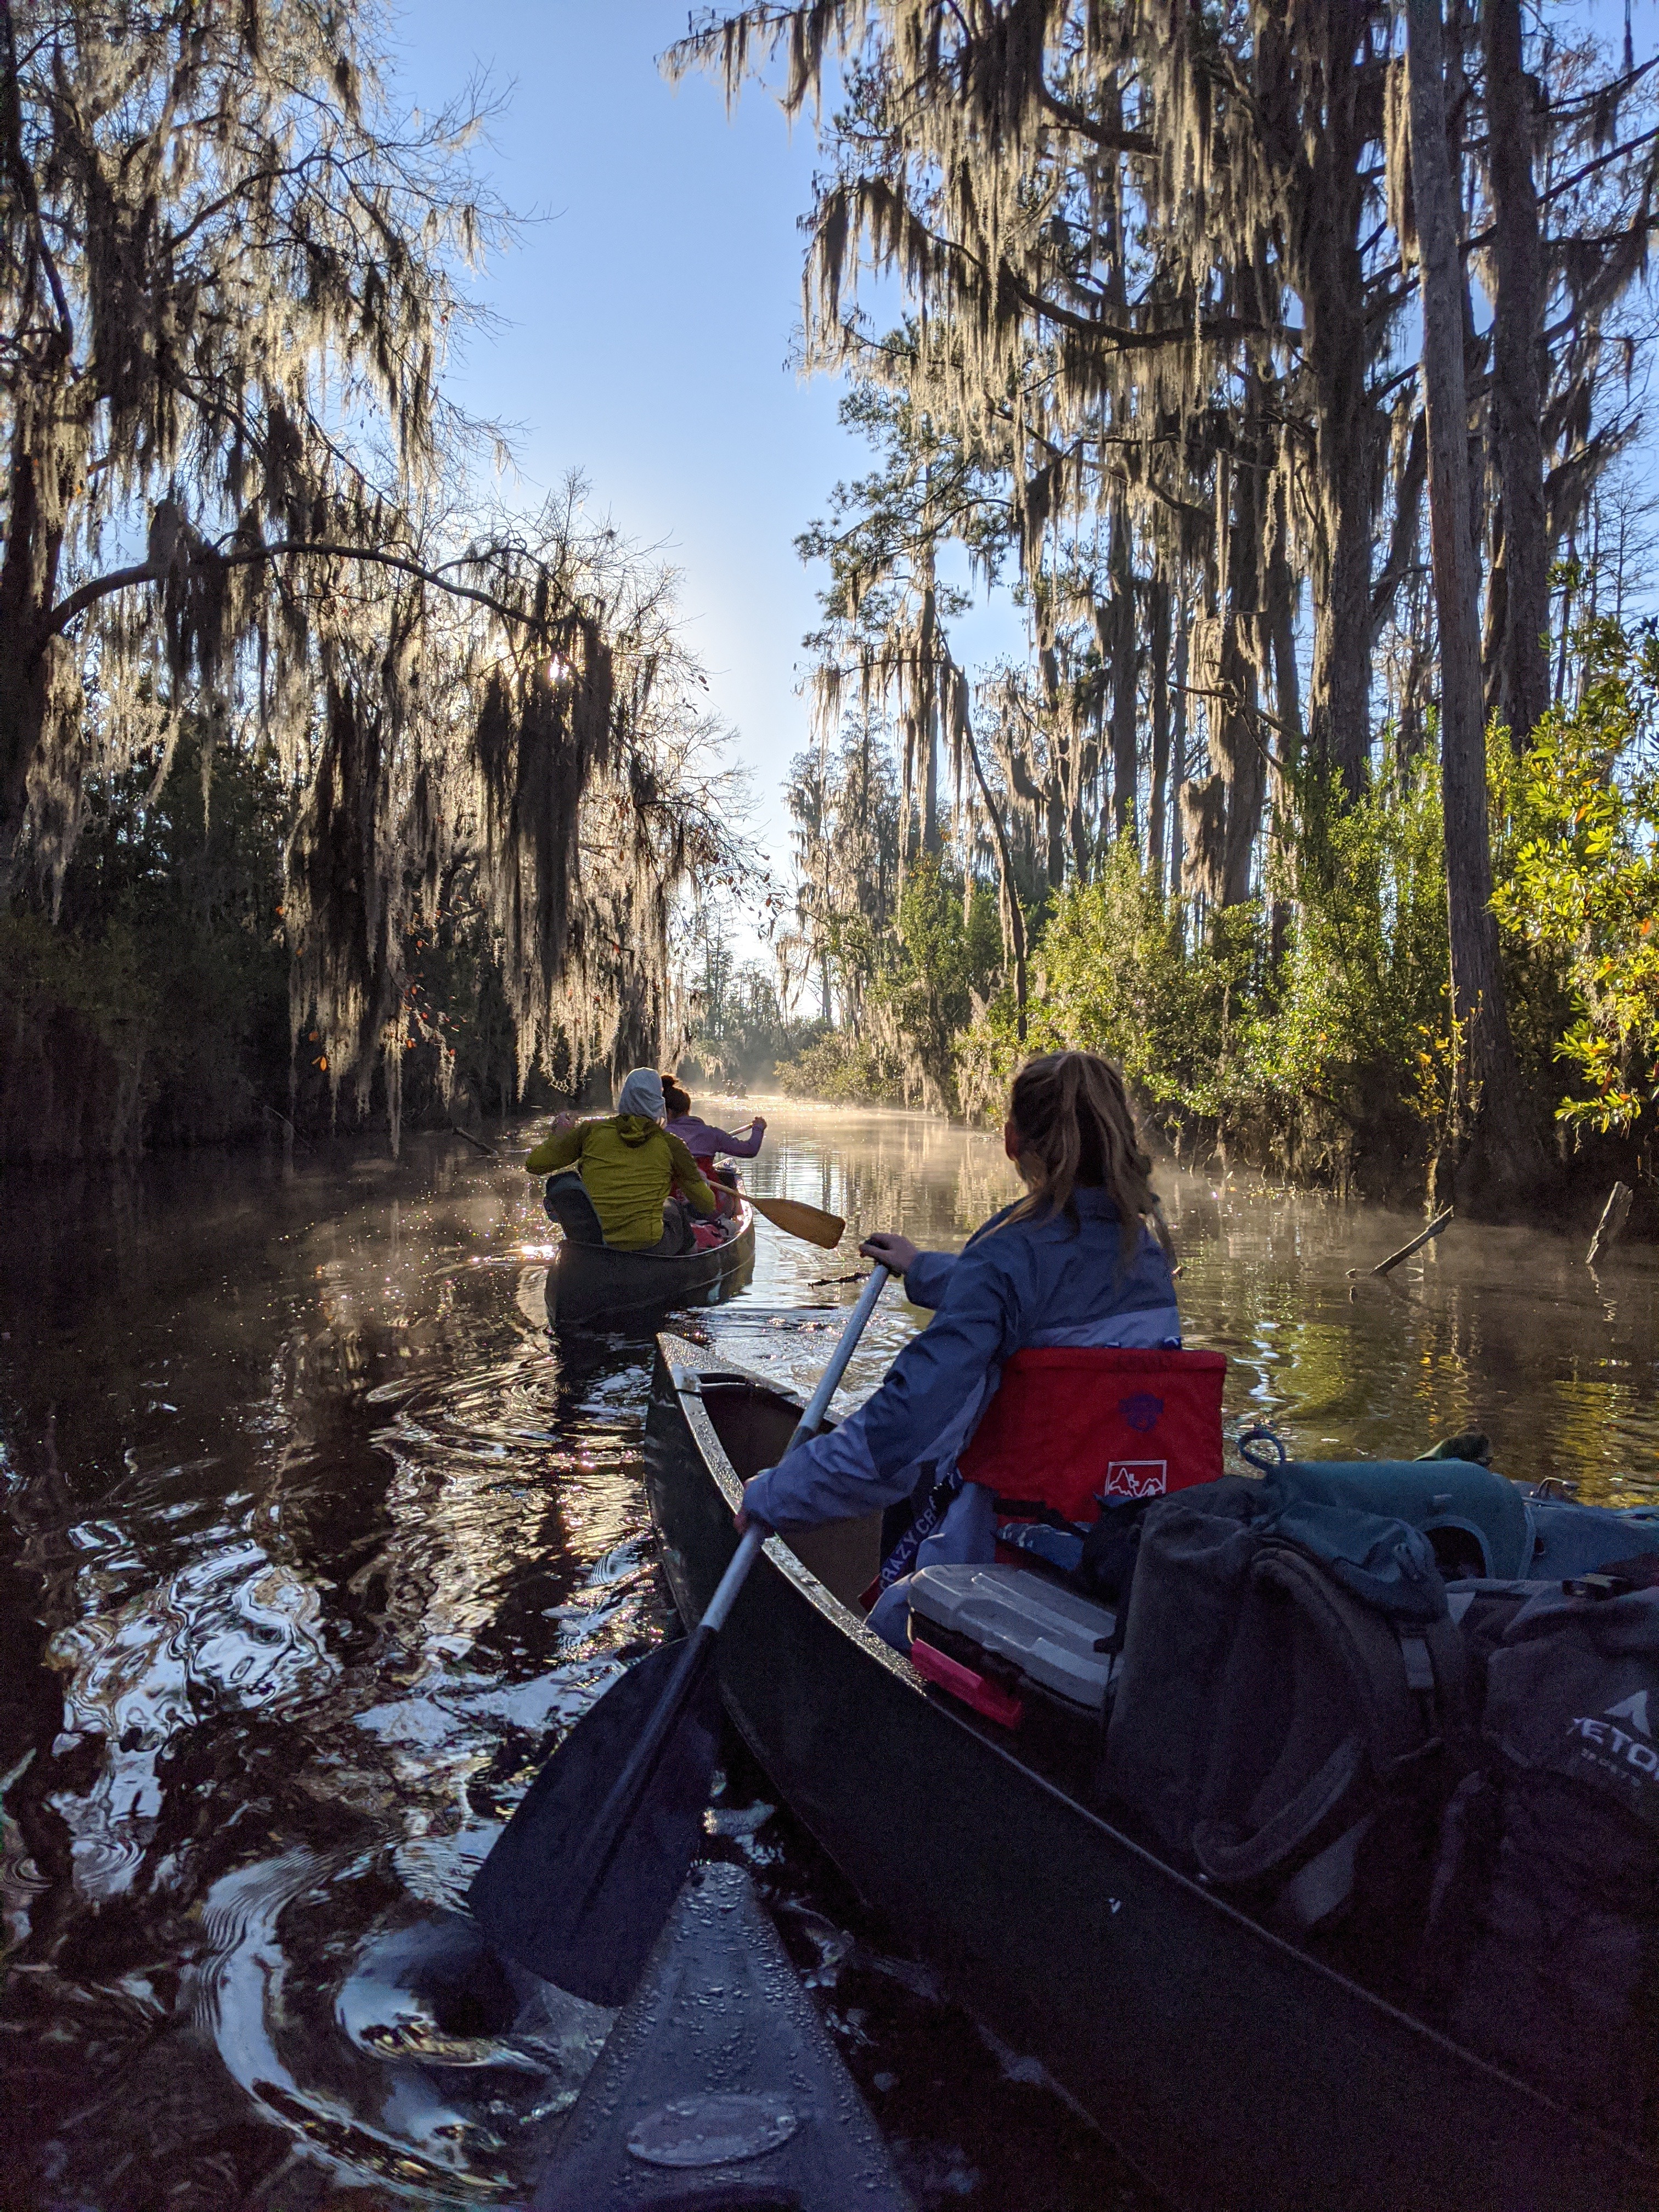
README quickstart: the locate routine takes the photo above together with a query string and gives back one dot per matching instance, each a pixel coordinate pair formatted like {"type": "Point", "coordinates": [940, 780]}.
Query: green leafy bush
{"type": "Point", "coordinates": [1297, 1024]}
{"type": "Point", "coordinates": [1578, 878]}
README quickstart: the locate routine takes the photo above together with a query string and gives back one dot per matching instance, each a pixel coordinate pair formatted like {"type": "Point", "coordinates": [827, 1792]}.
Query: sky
{"type": "Point", "coordinates": [648, 316]}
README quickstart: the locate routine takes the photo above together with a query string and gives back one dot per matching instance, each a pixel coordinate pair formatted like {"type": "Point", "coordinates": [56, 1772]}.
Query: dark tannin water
{"type": "Point", "coordinates": [313, 1540]}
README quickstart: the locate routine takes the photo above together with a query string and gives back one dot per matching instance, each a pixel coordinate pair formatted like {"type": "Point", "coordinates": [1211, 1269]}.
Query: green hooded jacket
{"type": "Point", "coordinates": [628, 1165]}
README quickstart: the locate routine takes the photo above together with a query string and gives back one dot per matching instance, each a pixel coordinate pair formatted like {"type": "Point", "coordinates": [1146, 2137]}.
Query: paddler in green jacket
{"type": "Point", "coordinates": [628, 1164]}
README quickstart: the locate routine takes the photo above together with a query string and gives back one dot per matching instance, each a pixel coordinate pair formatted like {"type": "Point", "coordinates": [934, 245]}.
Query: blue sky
{"type": "Point", "coordinates": [648, 317]}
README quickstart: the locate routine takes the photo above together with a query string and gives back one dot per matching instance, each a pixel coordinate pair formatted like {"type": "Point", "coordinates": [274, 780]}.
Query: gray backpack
{"type": "Point", "coordinates": [1290, 1710]}
{"type": "Point", "coordinates": [1177, 1627]}
{"type": "Point", "coordinates": [1556, 1847]}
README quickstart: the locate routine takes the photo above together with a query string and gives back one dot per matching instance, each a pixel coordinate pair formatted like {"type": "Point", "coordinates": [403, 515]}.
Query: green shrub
{"type": "Point", "coordinates": [845, 1069]}
{"type": "Point", "coordinates": [1578, 891]}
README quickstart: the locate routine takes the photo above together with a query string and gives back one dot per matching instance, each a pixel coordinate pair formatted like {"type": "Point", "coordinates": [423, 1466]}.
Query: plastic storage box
{"type": "Point", "coordinates": [1018, 1647]}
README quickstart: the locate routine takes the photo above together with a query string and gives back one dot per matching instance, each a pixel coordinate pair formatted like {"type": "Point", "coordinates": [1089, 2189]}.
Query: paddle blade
{"type": "Point", "coordinates": [808, 1221]}
{"type": "Point", "coordinates": [532, 1895]}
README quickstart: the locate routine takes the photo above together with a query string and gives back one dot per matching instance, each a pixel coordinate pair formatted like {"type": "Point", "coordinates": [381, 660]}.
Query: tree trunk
{"type": "Point", "coordinates": [1511, 1154]}
{"type": "Point", "coordinates": [1126, 674]}
{"type": "Point", "coordinates": [1157, 827]}
{"type": "Point", "coordinates": [1239, 753]}
{"type": "Point", "coordinates": [1014, 917]}
{"type": "Point", "coordinates": [926, 705]}
{"type": "Point", "coordinates": [1327, 214]}
{"type": "Point", "coordinates": [1519, 684]}
{"type": "Point", "coordinates": [1178, 750]}
{"type": "Point", "coordinates": [41, 481]}
{"type": "Point", "coordinates": [1282, 595]}
{"type": "Point", "coordinates": [1339, 699]}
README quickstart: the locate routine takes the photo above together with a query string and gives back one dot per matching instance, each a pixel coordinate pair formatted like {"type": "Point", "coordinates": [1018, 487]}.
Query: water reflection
{"type": "Point", "coordinates": [313, 1539]}
{"type": "Point", "coordinates": [1504, 1330]}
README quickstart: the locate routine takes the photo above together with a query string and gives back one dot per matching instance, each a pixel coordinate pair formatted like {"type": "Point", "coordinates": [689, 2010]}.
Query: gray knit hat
{"type": "Point", "coordinates": [642, 1094]}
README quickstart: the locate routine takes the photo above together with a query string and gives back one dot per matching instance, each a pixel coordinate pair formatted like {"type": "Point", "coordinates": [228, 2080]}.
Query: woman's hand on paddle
{"type": "Point", "coordinates": [897, 1254]}
{"type": "Point", "coordinates": [746, 1522]}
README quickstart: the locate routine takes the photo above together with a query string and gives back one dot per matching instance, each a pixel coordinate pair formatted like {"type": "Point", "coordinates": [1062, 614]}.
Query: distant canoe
{"type": "Point", "coordinates": [588, 1283]}
{"type": "Point", "coordinates": [1235, 2070]}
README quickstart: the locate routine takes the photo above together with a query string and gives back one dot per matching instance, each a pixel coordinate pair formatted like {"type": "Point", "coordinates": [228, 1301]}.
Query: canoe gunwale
{"type": "Point", "coordinates": [729, 1483]}
{"type": "Point", "coordinates": [1329, 2095]}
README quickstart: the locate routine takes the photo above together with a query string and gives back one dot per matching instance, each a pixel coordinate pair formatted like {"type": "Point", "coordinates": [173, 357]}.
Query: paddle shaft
{"type": "Point", "coordinates": [623, 1799]}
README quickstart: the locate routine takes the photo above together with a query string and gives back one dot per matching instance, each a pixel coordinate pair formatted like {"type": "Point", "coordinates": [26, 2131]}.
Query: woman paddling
{"type": "Point", "coordinates": [628, 1163]}
{"type": "Point", "coordinates": [1072, 1264]}
{"type": "Point", "coordinates": [702, 1140]}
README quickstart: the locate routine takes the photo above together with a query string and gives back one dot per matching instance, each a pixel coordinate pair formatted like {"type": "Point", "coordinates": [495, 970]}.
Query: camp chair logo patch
{"type": "Point", "coordinates": [1137, 1478]}
{"type": "Point", "coordinates": [1142, 1411]}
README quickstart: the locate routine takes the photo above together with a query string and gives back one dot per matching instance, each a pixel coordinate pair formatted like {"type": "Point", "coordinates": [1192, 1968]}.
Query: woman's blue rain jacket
{"type": "Point", "coordinates": [1014, 1285]}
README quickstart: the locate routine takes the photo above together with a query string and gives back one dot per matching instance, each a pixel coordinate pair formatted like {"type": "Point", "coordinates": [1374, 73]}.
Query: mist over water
{"type": "Point", "coordinates": [313, 1539]}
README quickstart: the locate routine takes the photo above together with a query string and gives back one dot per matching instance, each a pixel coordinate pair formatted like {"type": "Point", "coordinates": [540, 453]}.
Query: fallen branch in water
{"type": "Point", "coordinates": [818, 1281]}
{"type": "Point", "coordinates": [488, 1150]}
{"type": "Point", "coordinates": [1614, 1214]}
{"type": "Point", "coordinates": [293, 1133]}
{"type": "Point", "coordinates": [1417, 1243]}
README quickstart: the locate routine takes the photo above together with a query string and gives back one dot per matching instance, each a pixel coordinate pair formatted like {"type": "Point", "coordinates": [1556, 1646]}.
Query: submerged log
{"type": "Point", "coordinates": [1416, 1244]}
{"type": "Point", "coordinates": [1614, 1214]}
{"type": "Point", "coordinates": [488, 1150]}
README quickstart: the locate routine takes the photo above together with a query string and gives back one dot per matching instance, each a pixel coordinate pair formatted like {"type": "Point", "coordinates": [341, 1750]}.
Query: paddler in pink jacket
{"type": "Point", "coordinates": [701, 1138]}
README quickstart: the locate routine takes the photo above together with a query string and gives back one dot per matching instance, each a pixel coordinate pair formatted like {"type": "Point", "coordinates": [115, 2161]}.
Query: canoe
{"type": "Point", "coordinates": [717, 2084]}
{"type": "Point", "coordinates": [1232, 2069]}
{"type": "Point", "coordinates": [597, 1283]}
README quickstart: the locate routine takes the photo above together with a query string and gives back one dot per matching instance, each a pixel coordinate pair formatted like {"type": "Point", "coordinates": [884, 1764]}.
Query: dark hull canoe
{"type": "Point", "coordinates": [588, 1283]}
{"type": "Point", "coordinates": [1233, 2069]}
{"type": "Point", "coordinates": [718, 2086]}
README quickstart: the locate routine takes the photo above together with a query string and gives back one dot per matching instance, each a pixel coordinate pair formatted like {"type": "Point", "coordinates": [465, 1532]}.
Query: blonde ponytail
{"type": "Point", "coordinates": [1077, 1129]}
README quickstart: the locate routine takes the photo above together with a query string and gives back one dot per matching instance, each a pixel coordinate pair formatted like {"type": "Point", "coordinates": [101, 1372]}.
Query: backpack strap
{"type": "Point", "coordinates": [1394, 1674]}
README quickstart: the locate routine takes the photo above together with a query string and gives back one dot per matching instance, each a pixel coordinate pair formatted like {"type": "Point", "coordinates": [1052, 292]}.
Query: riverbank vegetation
{"type": "Point", "coordinates": [1289, 371]}
{"type": "Point", "coordinates": [248, 554]}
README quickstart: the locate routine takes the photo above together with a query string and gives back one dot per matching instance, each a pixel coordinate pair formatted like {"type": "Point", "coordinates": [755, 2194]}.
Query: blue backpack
{"type": "Point", "coordinates": [1477, 1521]}
{"type": "Point", "coordinates": [1482, 1526]}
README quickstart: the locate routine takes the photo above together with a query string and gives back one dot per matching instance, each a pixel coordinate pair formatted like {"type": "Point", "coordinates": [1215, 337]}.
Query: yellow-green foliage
{"type": "Point", "coordinates": [942, 961]}
{"type": "Point", "coordinates": [1578, 874]}
{"type": "Point", "coordinates": [1312, 1004]}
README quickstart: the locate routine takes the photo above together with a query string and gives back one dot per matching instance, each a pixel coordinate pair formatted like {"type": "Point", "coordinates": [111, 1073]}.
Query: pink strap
{"type": "Point", "coordinates": [984, 1696]}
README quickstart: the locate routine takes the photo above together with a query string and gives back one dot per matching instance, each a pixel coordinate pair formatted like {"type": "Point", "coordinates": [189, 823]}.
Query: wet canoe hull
{"type": "Point", "coordinates": [588, 1283]}
{"type": "Point", "coordinates": [717, 2084]}
{"type": "Point", "coordinates": [1232, 2069]}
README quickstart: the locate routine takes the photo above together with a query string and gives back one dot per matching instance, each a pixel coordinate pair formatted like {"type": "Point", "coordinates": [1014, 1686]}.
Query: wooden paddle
{"type": "Point", "coordinates": [799, 1220]}
{"type": "Point", "coordinates": [577, 1885]}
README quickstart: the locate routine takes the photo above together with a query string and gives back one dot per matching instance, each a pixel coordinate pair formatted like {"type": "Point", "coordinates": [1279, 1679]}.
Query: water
{"type": "Point", "coordinates": [312, 1538]}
